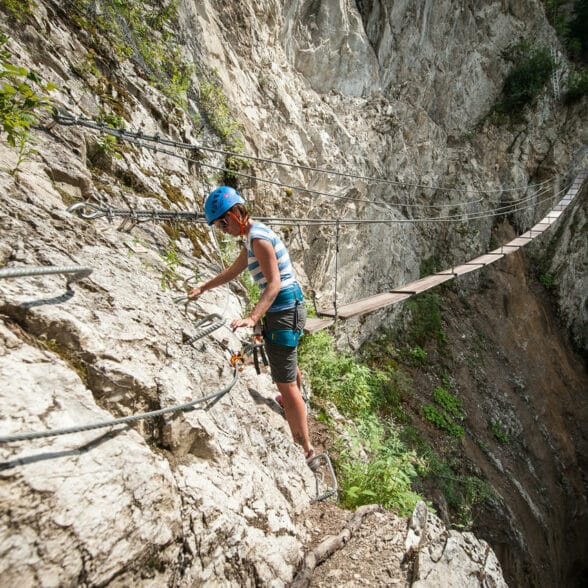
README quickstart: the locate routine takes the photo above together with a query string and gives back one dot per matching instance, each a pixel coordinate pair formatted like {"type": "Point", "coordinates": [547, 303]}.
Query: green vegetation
{"type": "Point", "coordinates": [447, 414]}
{"type": "Point", "coordinates": [569, 21]}
{"type": "Point", "coordinates": [365, 395]}
{"type": "Point", "coordinates": [449, 403]}
{"type": "Point", "coordinates": [18, 9]}
{"type": "Point", "coordinates": [531, 71]}
{"type": "Point", "coordinates": [23, 99]}
{"type": "Point", "coordinates": [109, 145]}
{"type": "Point", "coordinates": [547, 280]}
{"type": "Point", "coordinates": [144, 31]}
{"type": "Point", "coordinates": [499, 431]}
{"type": "Point", "coordinates": [337, 377]}
{"type": "Point", "coordinates": [253, 291]}
{"type": "Point", "coordinates": [426, 322]}
{"type": "Point", "coordinates": [577, 86]}
{"type": "Point", "coordinates": [442, 420]}
{"type": "Point", "coordinates": [384, 458]}
{"type": "Point", "coordinates": [388, 475]}
{"type": "Point", "coordinates": [414, 356]}
{"type": "Point", "coordinates": [172, 260]}
{"type": "Point", "coordinates": [215, 107]}
{"type": "Point", "coordinates": [462, 492]}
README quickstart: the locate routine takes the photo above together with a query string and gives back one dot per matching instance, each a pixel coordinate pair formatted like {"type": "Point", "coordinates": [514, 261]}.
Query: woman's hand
{"type": "Point", "coordinates": [244, 322]}
{"type": "Point", "coordinates": [195, 292]}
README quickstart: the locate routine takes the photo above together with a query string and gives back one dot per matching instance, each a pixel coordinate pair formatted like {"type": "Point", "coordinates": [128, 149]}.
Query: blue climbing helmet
{"type": "Point", "coordinates": [219, 201]}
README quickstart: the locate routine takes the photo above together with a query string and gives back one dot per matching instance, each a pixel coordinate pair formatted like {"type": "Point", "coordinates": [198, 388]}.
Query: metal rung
{"type": "Point", "coordinates": [321, 464]}
{"type": "Point", "coordinates": [206, 327]}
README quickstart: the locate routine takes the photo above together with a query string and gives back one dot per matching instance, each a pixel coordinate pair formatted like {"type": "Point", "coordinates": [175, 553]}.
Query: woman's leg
{"type": "Point", "coordinates": [295, 410]}
{"type": "Point", "coordinates": [286, 373]}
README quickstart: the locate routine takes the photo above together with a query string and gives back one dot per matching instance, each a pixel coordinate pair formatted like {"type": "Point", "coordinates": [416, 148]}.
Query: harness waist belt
{"type": "Point", "coordinates": [285, 337]}
{"type": "Point", "coordinates": [287, 296]}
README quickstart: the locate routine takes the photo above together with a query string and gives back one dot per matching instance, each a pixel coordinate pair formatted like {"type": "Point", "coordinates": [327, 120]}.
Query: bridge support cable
{"type": "Point", "coordinates": [90, 210]}
{"type": "Point", "coordinates": [378, 301]}
{"type": "Point", "coordinates": [337, 234]}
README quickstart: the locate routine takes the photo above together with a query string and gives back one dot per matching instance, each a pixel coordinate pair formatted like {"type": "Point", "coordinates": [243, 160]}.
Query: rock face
{"type": "Point", "coordinates": [447, 558]}
{"type": "Point", "coordinates": [382, 89]}
{"type": "Point", "coordinates": [209, 495]}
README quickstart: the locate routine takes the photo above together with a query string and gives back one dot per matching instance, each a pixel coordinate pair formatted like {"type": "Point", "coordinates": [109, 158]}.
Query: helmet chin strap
{"type": "Point", "coordinates": [242, 221]}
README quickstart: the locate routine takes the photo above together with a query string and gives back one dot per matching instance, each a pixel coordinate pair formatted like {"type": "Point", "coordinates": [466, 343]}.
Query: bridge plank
{"type": "Point", "coordinates": [505, 249]}
{"type": "Point", "coordinates": [520, 241]}
{"type": "Point", "coordinates": [316, 324]}
{"type": "Point", "coordinates": [485, 259]}
{"type": "Point", "coordinates": [423, 284]}
{"type": "Point", "coordinates": [367, 304]}
{"type": "Point", "coordinates": [464, 268]}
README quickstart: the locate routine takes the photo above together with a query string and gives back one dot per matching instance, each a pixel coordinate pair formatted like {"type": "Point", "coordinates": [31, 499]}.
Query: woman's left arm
{"type": "Point", "coordinates": [266, 256]}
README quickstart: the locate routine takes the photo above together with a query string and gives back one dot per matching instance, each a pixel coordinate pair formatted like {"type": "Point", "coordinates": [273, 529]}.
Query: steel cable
{"type": "Point", "coordinates": [123, 420]}
{"type": "Point", "coordinates": [18, 272]}
{"type": "Point", "coordinates": [515, 206]}
{"type": "Point", "coordinates": [65, 118]}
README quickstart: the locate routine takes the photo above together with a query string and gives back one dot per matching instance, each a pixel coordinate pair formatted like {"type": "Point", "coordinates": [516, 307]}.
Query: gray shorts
{"type": "Point", "coordinates": [284, 360]}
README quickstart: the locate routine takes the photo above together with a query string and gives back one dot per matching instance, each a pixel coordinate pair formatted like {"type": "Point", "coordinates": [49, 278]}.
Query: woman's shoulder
{"type": "Point", "coordinates": [261, 231]}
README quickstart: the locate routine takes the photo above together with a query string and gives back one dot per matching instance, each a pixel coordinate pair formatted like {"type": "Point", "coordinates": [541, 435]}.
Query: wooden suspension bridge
{"type": "Point", "coordinates": [378, 301]}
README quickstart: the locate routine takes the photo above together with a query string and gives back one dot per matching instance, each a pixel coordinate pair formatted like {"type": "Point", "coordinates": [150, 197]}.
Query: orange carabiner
{"type": "Point", "coordinates": [237, 358]}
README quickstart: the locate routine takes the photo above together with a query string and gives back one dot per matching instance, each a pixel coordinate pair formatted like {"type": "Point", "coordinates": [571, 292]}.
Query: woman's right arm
{"type": "Point", "coordinates": [238, 266]}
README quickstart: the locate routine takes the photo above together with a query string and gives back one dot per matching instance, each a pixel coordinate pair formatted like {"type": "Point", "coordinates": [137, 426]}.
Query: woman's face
{"type": "Point", "coordinates": [228, 224]}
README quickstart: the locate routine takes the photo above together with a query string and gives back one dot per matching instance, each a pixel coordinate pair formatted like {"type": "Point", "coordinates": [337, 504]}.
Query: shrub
{"type": "Point", "coordinates": [569, 21]}
{"type": "Point", "coordinates": [577, 86]}
{"type": "Point", "coordinates": [387, 477]}
{"type": "Point", "coordinates": [449, 402]}
{"type": "Point", "coordinates": [525, 80]}
{"type": "Point", "coordinates": [215, 105]}
{"type": "Point", "coordinates": [339, 377]}
{"type": "Point", "coordinates": [442, 420]}
{"type": "Point", "coordinates": [547, 280]}
{"type": "Point", "coordinates": [23, 99]}
{"type": "Point", "coordinates": [18, 8]}
{"type": "Point", "coordinates": [426, 323]}
{"type": "Point", "coordinates": [415, 356]}
{"type": "Point", "coordinates": [144, 31]}
{"type": "Point", "coordinates": [499, 431]}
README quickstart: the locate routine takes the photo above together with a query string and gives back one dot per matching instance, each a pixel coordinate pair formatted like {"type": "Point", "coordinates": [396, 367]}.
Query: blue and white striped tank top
{"type": "Point", "coordinates": [287, 275]}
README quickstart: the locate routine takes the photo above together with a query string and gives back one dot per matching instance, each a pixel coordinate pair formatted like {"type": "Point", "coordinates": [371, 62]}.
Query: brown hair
{"type": "Point", "coordinates": [241, 211]}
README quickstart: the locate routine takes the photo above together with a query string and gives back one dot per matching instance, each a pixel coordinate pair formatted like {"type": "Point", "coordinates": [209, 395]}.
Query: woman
{"type": "Point", "coordinates": [281, 304]}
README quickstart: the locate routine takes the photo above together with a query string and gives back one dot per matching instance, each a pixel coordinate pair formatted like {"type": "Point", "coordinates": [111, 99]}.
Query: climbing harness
{"type": "Point", "coordinates": [258, 348]}
{"type": "Point", "coordinates": [286, 337]}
